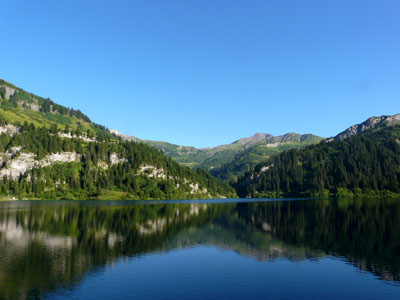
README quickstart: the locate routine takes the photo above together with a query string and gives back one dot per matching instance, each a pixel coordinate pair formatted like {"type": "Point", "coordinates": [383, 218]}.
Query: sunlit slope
{"type": "Point", "coordinates": [367, 164]}
{"type": "Point", "coordinates": [232, 166]}
{"type": "Point", "coordinates": [229, 161]}
{"type": "Point", "coordinates": [18, 106]}
{"type": "Point", "coordinates": [48, 151]}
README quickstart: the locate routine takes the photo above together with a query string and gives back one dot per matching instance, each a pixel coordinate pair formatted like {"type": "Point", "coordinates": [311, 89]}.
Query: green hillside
{"type": "Point", "coordinates": [227, 162]}
{"type": "Point", "coordinates": [246, 161]}
{"type": "Point", "coordinates": [48, 151]}
{"type": "Point", "coordinates": [187, 156]}
{"type": "Point", "coordinates": [18, 106]}
{"type": "Point", "coordinates": [231, 167]}
{"type": "Point", "coordinates": [367, 164]}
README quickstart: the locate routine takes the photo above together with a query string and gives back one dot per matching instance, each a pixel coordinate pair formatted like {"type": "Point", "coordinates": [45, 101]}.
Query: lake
{"type": "Point", "coordinates": [303, 249]}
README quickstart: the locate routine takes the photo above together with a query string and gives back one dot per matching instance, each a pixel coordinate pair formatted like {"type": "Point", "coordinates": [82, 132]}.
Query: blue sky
{"type": "Point", "coordinates": [205, 73]}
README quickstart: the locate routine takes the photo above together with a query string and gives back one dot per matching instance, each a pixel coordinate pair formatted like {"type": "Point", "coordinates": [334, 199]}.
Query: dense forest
{"type": "Point", "coordinates": [95, 175]}
{"type": "Point", "coordinates": [245, 160]}
{"type": "Point", "coordinates": [365, 165]}
{"type": "Point", "coordinates": [92, 163]}
{"type": "Point", "coordinates": [49, 151]}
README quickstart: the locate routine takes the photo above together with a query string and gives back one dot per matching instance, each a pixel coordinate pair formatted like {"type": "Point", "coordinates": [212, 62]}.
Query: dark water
{"type": "Point", "coordinates": [123, 250]}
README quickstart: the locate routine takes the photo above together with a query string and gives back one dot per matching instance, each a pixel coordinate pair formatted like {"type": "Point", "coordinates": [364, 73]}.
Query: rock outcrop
{"type": "Point", "coordinates": [154, 172]}
{"type": "Point", "coordinates": [74, 136]}
{"type": "Point", "coordinates": [368, 124]}
{"type": "Point", "coordinates": [16, 163]}
{"type": "Point", "coordinates": [9, 92]}
{"type": "Point", "coordinates": [115, 159]}
{"type": "Point", "coordinates": [125, 137]}
{"type": "Point", "coordinates": [9, 129]}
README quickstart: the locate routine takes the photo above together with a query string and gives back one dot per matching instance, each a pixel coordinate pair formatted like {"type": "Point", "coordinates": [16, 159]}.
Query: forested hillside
{"type": "Point", "coordinates": [247, 159]}
{"type": "Point", "coordinates": [367, 164]}
{"type": "Point", "coordinates": [48, 151]}
{"type": "Point", "coordinates": [227, 162]}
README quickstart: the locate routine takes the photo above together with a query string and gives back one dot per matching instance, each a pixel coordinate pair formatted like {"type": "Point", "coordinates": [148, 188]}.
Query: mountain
{"type": "Point", "coordinates": [365, 164]}
{"type": "Point", "coordinates": [18, 106]}
{"type": "Point", "coordinates": [368, 124]}
{"type": "Point", "coordinates": [254, 150]}
{"type": "Point", "coordinates": [184, 155]}
{"type": "Point", "coordinates": [48, 151]}
{"type": "Point", "coordinates": [232, 160]}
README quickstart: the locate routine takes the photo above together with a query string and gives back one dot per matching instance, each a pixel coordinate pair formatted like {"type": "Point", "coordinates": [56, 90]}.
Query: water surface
{"type": "Point", "coordinates": [308, 249]}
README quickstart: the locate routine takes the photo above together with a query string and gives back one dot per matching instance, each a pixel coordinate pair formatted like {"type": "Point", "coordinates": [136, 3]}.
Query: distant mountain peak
{"type": "Point", "coordinates": [371, 122]}
{"type": "Point", "coordinates": [257, 137]}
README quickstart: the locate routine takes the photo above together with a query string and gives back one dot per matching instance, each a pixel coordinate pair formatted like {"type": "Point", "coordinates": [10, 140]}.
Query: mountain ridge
{"type": "Point", "coordinates": [366, 164]}
{"type": "Point", "coordinates": [219, 159]}
{"type": "Point", "coordinates": [48, 151]}
{"type": "Point", "coordinates": [253, 139]}
{"type": "Point", "coordinates": [371, 122]}
{"type": "Point", "coordinates": [51, 151]}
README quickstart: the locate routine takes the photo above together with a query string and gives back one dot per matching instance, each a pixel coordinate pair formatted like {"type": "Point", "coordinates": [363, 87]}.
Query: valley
{"type": "Point", "coordinates": [48, 151]}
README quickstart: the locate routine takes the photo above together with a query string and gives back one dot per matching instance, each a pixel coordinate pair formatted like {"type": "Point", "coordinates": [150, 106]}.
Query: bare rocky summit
{"type": "Point", "coordinates": [368, 124]}
{"type": "Point", "coordinates": [273, 141]}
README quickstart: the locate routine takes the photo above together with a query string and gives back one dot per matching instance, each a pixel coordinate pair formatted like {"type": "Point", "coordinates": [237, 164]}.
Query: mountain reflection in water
{"type": "Point", "coordinates": [46, 246]}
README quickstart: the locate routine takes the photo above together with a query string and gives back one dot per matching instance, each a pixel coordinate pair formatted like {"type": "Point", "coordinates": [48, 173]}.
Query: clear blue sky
{"type": "Point", "coordinates": [205, 73]}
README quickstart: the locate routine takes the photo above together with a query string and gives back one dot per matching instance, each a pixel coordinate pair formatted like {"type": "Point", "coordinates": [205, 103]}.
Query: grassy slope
{"type": "Point", "coordinates": [225, 162]}
{"type": "Point", "coordinates": [19, 114]}
{"type": "Point", "coordinates": [229, 161]}
{"type": "Point", "coordinates": [17, 109]}
{"type": "Point", "coordinates": [188, 156]}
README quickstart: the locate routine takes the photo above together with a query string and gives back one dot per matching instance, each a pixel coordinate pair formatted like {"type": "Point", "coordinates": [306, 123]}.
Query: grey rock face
{"type": "Point", "coordinates": [9, 129]}
{"type": "Point", "coordinates": [125, 137]}
{"type": "Point", "coordinates": [368, 124]}
{"type": "Point", "coordinates": [9, 91]}
{"type": "Point", "coordinates": [16, 163]}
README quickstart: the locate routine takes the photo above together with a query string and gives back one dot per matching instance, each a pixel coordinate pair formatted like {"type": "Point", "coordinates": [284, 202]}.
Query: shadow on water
{"type": "Point", "coordinates": [45, 246]}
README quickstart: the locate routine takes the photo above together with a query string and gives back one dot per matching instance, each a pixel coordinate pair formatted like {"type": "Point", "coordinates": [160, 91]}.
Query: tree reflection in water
{"type": "Point", "coordinates": [49, 245]}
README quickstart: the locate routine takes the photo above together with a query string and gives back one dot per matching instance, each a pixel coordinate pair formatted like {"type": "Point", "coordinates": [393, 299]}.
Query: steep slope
{"type": "Point", "coordinates": [48, 151]}
{"type": "Point", "coordinates": [18, 106]}
{"type": "Point", "coordinates": [368, 124]}
{"type": "Point", "coordinates": [367, 164]}
{"type": "Point", "coordinates": [229, 161]}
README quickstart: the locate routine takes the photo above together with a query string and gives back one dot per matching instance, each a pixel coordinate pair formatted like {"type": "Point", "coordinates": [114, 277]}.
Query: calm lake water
{"type": "Point", "coordinates": [304, 249]}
